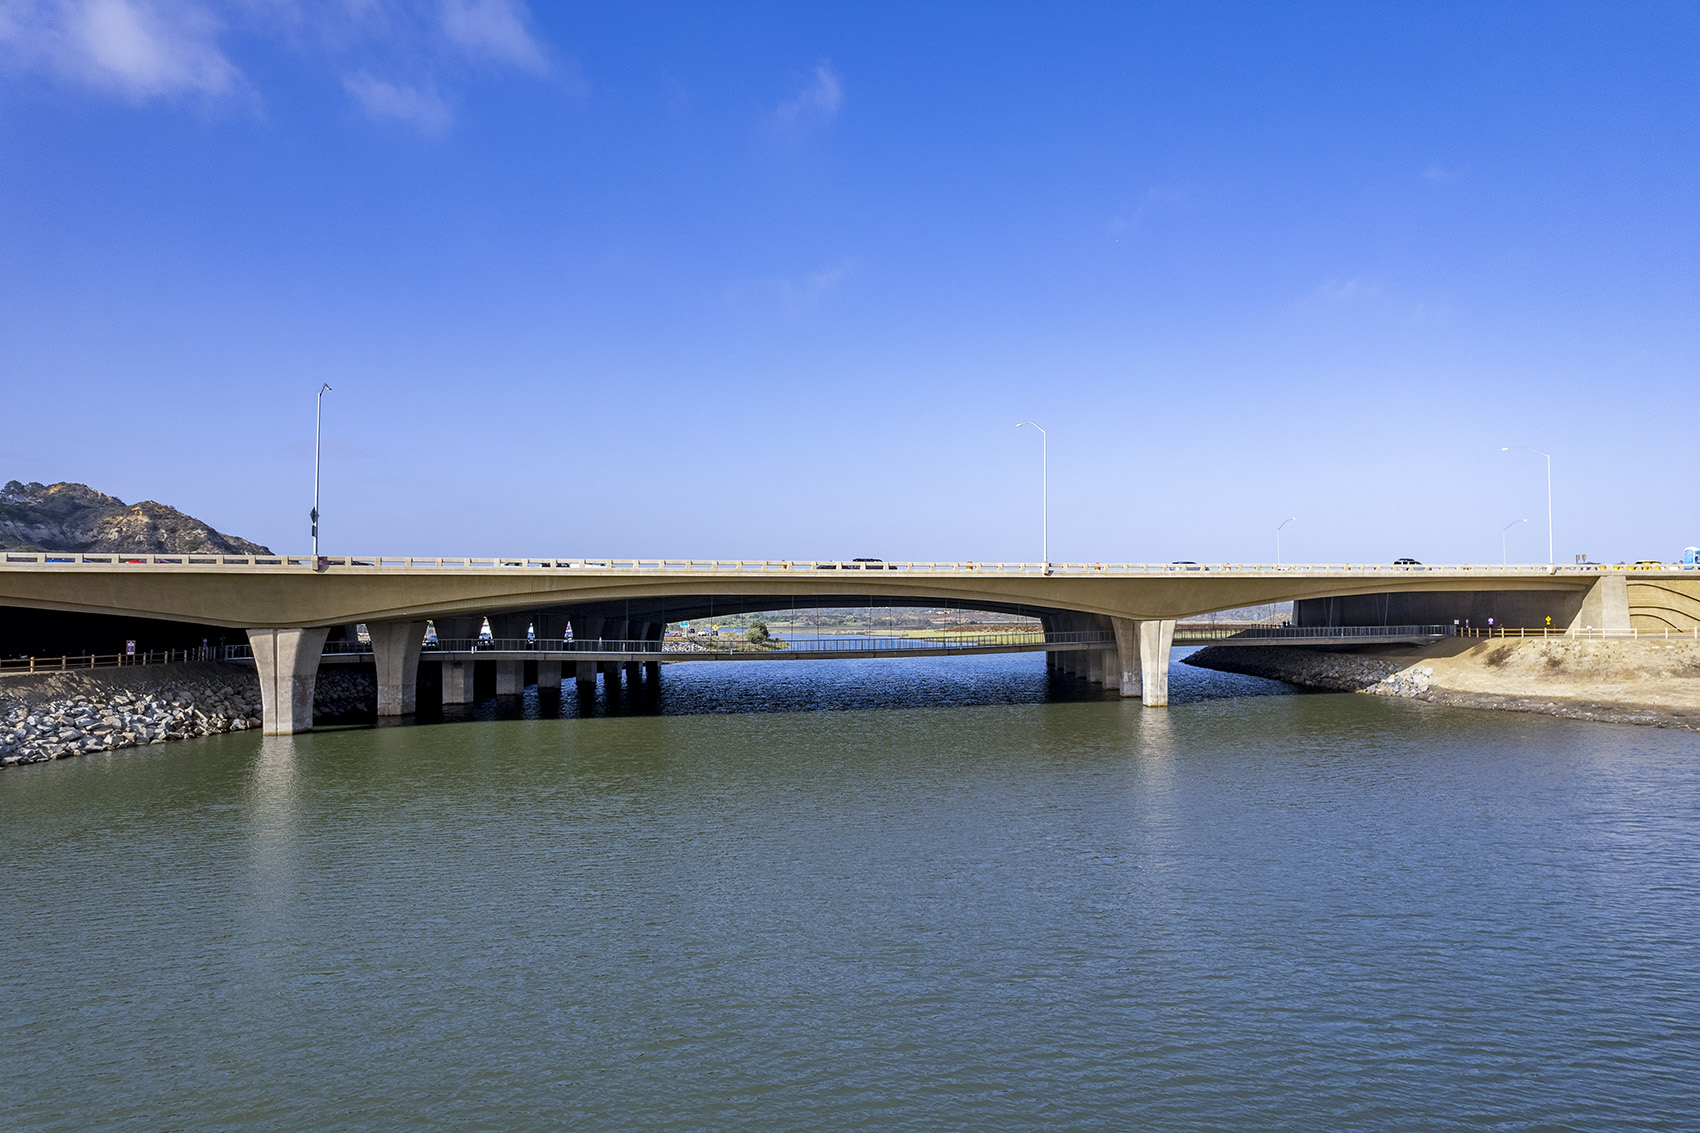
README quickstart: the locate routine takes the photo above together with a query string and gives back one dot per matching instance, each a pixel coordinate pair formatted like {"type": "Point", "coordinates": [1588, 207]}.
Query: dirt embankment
{"type": "Point", "coordinates": [1630, 682]}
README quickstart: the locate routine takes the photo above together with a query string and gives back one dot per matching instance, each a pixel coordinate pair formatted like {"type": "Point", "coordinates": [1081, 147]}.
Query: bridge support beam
{"type": "Point", "coordinates": [549, 675]}
{"type": "Point", "coordinates": [457, 681]}
{"type": "Point", "coordinates": [395, 649]}
{"type": "Point", "coordinates": [1144, 648]}
{"type": "Point", "coordinates": [287, 663]}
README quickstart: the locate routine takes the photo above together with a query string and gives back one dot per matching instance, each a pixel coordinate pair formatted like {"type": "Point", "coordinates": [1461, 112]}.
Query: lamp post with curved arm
{"type": "Point", "coordinates": [1284, 523]}
{"type": "Point", "coordinates": [1044, 493]}
{"type": "Point", "coordinates": [1502, 532]}
{"type": "Point", "coordinates": [318, 417]}
{"type": "Point", "coordinates": [1538, 452]}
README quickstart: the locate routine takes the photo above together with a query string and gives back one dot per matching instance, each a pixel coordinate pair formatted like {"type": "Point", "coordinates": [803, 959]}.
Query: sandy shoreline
{"type": "Point", "coordinates": [1622, 682]}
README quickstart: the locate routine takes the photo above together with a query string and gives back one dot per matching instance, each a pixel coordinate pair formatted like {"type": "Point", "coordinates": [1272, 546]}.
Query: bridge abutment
{"type": "Point", "coordinates": [287, 663]}
{"type": "Point", "coordinates": [1605, 605]}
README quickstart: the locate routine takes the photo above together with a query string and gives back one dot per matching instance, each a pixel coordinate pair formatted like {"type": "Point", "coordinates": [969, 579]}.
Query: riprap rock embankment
{"type": "Point", "coordinates": [46, 716]}
{"type": "Point", "coordinates": [52, 716]}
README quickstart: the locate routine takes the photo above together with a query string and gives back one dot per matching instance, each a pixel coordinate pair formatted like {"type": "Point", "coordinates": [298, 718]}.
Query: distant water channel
{"type": "Point", "coordinates": [896, 894]}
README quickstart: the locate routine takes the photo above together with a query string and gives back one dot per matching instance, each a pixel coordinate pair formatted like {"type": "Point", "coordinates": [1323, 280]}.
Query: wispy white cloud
{"type": "Point", "coordinates": [1168, 195]}
{"type": "Point", "coordinates": [495, 30]}
{"type": "Point", "coordinates": [1362, 297]}
{"type": "Point", "coordinates": [149, 49]}
{"type": "Point", "coordinates": [419, 108]}
{"type": "Point", "coordinates": [816, 104]}
{"type": "Point", "coordinates": [139, 49]}
{"type": "Point", "coordinates": [810, 289]}
{"type": "Point", "coordinates": [793, 295]}
{"type": "Point", "coordinates": [1345, 290]}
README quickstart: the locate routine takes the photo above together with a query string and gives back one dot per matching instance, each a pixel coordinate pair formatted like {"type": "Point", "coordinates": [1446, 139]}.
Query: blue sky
{"type": "Point", "coordinates": [779, 280]}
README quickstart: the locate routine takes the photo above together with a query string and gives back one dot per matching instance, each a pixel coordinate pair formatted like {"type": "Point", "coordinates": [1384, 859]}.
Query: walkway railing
{"type": "Point", "coordinates": [729, 646]}
{"type": "Point", "coordinates": [379, 563]}
{"type": "Point", "coordinates": [1185, 634]}
{"type": "Point", "coordinates": [118, 660]}
{"type": "Point", "coordinates": [1664, 633]}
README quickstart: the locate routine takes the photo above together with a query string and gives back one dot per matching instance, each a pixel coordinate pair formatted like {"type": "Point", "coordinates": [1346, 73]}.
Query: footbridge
{"type": "Point", "coordinates": [1110, 622]}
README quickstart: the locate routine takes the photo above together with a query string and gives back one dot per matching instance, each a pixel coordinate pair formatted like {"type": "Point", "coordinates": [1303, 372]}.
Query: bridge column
{"type": "Point", "coordinates": [584, 672]}
{"type": "Point", "coordinates": [457, 681]}
{"type": "Point", "coordinates": [1127, 652]}
{"type": "Point", "coordinates": [1071, 659]}
{"type": "Point", "coordinates": [1095, 667]}
{"type": "Point", "coordinates": [395, 649]}
{"type": "Point", "coordinates": [510, 630]}
{"type": "Point", "coordinates": [510, 678]}
{"type": "Point", "coordinates": [654, 635]}
{"type": "Point", "coordinates": [613, 630]}
{"type": "Point", "coordinates": [287, 663]}
{"type": "Point", "coordinates": [1048, 625]}
{"type": "Point", "coordinates": [1110, 661]}
{"type": "Point", "coordinates": [1156, 638]}
{"type": "Point", "coordinates": [457, 673]}
{"type": "Point", "coordinates": [548, 675]}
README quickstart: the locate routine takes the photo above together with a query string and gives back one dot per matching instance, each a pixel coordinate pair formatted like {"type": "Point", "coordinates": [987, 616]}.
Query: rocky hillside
{"type": "Point", "coordinates": [75, 517]}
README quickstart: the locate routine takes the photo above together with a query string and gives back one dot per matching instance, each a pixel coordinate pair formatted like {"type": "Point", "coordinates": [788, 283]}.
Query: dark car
{"type": "Point", "coordinates": [1406, 562]}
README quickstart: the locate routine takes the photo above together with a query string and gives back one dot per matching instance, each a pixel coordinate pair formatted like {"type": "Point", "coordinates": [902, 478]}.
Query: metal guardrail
{"type": "Point", "coordinates": [380, 563]}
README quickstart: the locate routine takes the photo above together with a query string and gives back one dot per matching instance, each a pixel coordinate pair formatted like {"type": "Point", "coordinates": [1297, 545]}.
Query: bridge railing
{"type": "Point", "coordinates": [1192, 634]}
{"type": "Point", "coordinates": [380, 563]}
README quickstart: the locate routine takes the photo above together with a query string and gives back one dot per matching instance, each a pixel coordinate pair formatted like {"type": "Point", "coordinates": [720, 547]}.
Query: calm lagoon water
{"type": "Point", "coordinates": [896, 894]}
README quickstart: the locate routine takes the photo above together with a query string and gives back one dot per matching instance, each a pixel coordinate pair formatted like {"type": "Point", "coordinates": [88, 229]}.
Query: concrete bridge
{"type": "Point", "coordinates": [289, 606]}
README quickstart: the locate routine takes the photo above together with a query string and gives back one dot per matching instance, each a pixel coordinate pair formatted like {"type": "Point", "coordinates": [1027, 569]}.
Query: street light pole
{"type": "Point", "coordinates": [1284, 523]}
{"type": "Point", "coordinates": [1044, 493]}
{"type": "Point", "coordinates": [1538, 452]}
{"type": "Point", "coordinates": [318, 416]}
{"type": "Point", "coordinates": [1502, 531]}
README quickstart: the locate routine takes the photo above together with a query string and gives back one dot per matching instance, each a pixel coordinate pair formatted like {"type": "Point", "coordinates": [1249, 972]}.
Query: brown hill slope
{"type": "Point", "coordinates": [75, 517]}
